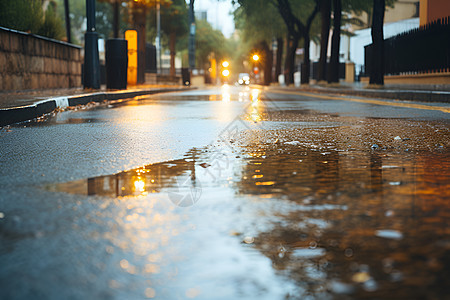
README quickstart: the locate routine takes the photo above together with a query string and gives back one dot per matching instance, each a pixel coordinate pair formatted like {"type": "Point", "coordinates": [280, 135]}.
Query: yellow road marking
{"type": "Point", "coordinates": [367, 101]}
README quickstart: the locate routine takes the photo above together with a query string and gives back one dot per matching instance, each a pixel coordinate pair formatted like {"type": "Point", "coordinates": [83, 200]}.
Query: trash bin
{"type": "Point", "coordinates": [116, 63]}
{"type": "Point", "coordinates": [186, 76]}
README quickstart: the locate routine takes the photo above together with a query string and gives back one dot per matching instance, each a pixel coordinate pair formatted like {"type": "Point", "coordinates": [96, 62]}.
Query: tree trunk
{"type": "Point", "coordinates": [278, 58]}
{"type": "Point", "coordinates": [267, 63]}
{"type": "Point", "coordinates": [139, 18]}
{"type": "Point", "coordinates": [306, 67]}
{"type": "Point", "coordinates": [333, 75]}
{"type": "Point", "coordinates": [377, 60]}
{"type": "Point", "coordinates": [172, 40]}
{"type": "Point", "coordinates": [290, 60]}
{"type": "Point", "coordinates": [325, 9]}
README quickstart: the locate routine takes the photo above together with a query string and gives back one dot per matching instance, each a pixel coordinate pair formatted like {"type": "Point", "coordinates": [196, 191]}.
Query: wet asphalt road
{"type": "Point", "coordinates": [228, 193]}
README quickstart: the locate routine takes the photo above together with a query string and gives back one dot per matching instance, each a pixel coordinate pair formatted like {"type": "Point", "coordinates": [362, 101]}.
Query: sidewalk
{"type": "Point", "coordinates": [26, 105]}
{"type": "Point", "coordinates": [424, 93]}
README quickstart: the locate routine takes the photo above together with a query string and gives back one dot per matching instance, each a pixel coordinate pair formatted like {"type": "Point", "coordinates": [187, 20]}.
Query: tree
{"type": "Point", "coordinates": [325, 11]}
{"type": "Point", "coordinates": [333, 71]}
{"type": "Point", "coordinates": [348, 6]}
{"type": "Point", "coordinates": [174, 24]}
{"type": "Point", "coordinates": [297, 29]}
{"type": "Point", "coordinates": [52, 26]}
{"type": "Point", "coordinates": [258, 24]}
{"type": "Point", "coordinates": [377, 60]}
{"type": "Point", "coordinates": [28, 16]}
{"type": "Point", "coordinates": [208, 41]}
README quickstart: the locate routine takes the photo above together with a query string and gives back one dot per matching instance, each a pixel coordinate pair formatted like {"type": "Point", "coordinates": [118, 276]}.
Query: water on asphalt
{"type": "Point", "coordinates": [224, 194]}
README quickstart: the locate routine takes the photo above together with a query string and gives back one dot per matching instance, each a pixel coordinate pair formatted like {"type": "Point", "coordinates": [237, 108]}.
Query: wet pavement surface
{"type": "Point", "coordinates": [232, 193]}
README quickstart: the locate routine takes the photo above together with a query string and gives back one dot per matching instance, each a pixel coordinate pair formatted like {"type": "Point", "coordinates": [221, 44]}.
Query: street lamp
{"type": "Point", "coordinates": [225, 71]}
{"type": "Point", "coordinates": [255, 58]}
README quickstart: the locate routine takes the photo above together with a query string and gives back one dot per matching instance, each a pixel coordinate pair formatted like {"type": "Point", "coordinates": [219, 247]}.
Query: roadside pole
{"type": "Point", "coordinates": [91, 74]}
{"type": "Point", "coordinates": [191, 36]}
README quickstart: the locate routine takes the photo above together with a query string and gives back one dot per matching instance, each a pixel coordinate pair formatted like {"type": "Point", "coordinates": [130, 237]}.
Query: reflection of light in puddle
{"type": "Point", "coordinates": [255, 95]}
{"type": "Point", "coordinates": [322, 207]}
{"type": "Point", "coordinates": [389, 234]}
{"type": "Point", "coordinates": [226, 96]}
{"type": "Point", "coordinates": [308, 252]}
{"type": "Point", "coordinates": [139, 185]}
{"type": "Point", "coordinates": [265, 183]}
{"type": "Point", "coordinates": [255, 115]}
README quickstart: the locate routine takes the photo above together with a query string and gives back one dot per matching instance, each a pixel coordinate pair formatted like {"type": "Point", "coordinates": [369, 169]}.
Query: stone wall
{"type": "Point", "coordinates": [33, 62]}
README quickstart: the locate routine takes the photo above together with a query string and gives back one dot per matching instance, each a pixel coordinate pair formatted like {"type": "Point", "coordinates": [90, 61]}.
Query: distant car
{"type": "Point", "coordinates": [244, 78]}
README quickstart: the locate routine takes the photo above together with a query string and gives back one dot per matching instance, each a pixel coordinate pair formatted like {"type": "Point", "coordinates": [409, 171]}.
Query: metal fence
{"type": "Point", "coordinates": [422, 50]}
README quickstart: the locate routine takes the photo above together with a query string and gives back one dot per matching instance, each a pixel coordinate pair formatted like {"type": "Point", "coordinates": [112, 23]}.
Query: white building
{"type": "Point", "coordinates": [364, 37]}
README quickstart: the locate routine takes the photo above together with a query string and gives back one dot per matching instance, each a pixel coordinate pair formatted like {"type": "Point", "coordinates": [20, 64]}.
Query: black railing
{"type": "Point", "coordinates": [422, 50]}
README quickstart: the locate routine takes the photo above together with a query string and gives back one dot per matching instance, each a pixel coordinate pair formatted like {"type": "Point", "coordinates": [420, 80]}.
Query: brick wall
{"type": "Point", "coordinates": [32, 62]}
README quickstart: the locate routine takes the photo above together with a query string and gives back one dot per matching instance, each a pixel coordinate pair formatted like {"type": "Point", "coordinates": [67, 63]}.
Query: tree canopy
{"type": "Point", "coordinates": [208, 41]}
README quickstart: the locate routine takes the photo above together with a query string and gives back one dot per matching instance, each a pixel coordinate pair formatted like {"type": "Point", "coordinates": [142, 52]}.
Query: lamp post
{"type": "Point", "coordinates": [191, 35]}
{"type": "Point", "coordinates": [158, 37]}
{"type": "Point", "coordinates": [91, 59]}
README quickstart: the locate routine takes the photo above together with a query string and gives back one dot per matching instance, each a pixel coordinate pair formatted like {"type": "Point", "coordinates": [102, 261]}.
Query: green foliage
{"type": "Point", "coordinates": [257, 21]}
{"type": "Point", "coordinates": [23, 15]}
{"type": "Point", "coordinates": [28, 16]}
{"type": "Point", "coordinates": [209, 40]}
{"type": "Point", "coordinates": [53, 26]}
{"type": "Point", "coordinates": [77, 16]}
{"type": "Point", "coordinates": [104, 19]}
{"type": "Point", "coordinates": [174, 18]}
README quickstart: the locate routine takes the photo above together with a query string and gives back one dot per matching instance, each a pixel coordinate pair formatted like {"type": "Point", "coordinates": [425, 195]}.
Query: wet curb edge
{"type": "Point", "coordinates": [14, 115]}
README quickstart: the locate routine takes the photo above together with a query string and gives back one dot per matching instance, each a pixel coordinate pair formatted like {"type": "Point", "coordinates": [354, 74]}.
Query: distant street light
{"type": "Point", "coordinates": [225, 64]}
{"type": "Point", "coordinates": [256, 59]}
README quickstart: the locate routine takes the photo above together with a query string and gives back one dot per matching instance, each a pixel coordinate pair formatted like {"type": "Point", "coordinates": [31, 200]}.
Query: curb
{"type": "Point", "coordinates": [14, 115]}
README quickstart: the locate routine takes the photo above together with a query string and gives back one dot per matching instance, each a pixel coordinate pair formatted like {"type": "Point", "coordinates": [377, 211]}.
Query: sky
{"type": "Point", "coordinates": [219, 14]}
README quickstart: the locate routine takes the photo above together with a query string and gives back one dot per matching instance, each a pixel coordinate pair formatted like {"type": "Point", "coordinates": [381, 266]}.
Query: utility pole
{"type": "Point", "coordinates": [116, 19]}
{"type": "Point", "coordinates": [67, 16]}
{"type": "Point", "coordinates": [191, 35]}
{"type": "Point", "coordinates": [91, 58]}
{"type": "Point", "coordinates": [158, 38]}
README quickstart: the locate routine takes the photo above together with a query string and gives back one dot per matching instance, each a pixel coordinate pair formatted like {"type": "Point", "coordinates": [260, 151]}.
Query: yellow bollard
{"type": "Point", "coordinates": [132, 38]}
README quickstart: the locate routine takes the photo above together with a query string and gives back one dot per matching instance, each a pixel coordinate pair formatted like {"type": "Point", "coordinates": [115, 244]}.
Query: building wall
{"type": "Point", "coordinates": [402, 10]}
{"type": "Point", "coordinates": [364, 37]}
{"type": "Point", "coordinates": [432, 10]}
{"type": "Point", "coordinates": [32, 62]}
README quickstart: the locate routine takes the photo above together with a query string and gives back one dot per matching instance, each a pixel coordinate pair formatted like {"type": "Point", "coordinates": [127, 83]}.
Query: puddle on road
{"type": "Point", "coordinates": [365, 224]}
{"type": "Point", "coordinates": [336, 223]}
{"type": "Point", "coordinates": [303, 205]}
